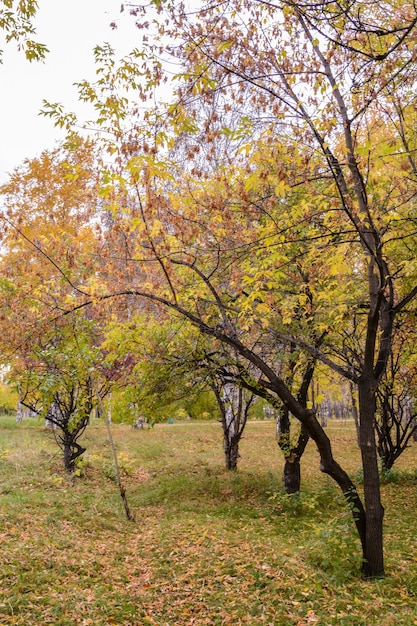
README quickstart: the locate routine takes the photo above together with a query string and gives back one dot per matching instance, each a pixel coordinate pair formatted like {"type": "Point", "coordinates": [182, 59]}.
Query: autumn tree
{"type": "Point", "coordinates": [46, 226]}
{"type": "Point", "coordinates": [172, 364]}
{"type": "Point", "coordinates": [340, 83]}
{"type": "Point", "coordinates": [57, 381]}
{"type": "Point", "coordinates": [48, 234]}
{"type": "Point", "coordinates": [396, 399]}
{"type": "Point", "coordinates": [325, 100]}
{"type": "Point", "coordinates": [178, 253]}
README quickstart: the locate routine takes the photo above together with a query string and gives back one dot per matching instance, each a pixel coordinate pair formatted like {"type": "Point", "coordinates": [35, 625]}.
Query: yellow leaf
{"type": "Point", "coordinates": [281, 189]}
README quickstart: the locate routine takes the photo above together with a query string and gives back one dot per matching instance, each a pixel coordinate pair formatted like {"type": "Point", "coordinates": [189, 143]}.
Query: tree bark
{"type": "Point", "coordinates": [72, 450]}
{"type": "Point", "coordinates": [68, 462]}
{"type": "Point", "coordinates": [231, 451]}
{"type": "Point", "coordinates": [355, 412]}
{"type": "Point", "coordinates": [291, 475]}
{"type": "Point", "coordinates": [231, 397]}
{"type": "Point", "coordinates": [373, 565]}
{"type": "Point", "coordinates": [19, 413]}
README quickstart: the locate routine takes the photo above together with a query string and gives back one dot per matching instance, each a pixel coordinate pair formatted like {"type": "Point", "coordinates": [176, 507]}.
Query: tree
{"type": "Point", "coordinates": [222, 371]}
{"type": "Point", "coordinates": [327, 174]}
{"type": "Point", "coordinates": [48, 237]}
{"type": "Point", "coordinates": [171, 365]}
{"type": "Point", "coordinates": [58, 381]}
{"type": "Point", "coordinates": [46, 225]}
{"type": "Point", "coordinates": [234, 407]}
{"type": "Point", "coordinates": [396, 404]}
{"type": "Point", "coordinates": [184, 259]}
{"type": "Point", "coordinates": [341, 84]}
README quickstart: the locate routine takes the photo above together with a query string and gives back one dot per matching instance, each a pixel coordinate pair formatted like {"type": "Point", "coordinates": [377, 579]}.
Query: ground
{"type": "Point", "coordinates": [206, 547]}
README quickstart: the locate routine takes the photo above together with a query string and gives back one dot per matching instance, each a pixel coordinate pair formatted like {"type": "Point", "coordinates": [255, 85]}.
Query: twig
{"type": "Point", "coordinates": [122, 489]}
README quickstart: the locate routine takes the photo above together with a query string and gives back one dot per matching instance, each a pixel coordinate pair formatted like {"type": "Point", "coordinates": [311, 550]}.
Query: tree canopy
{"type": "Point", "coordinates": [270, 204]}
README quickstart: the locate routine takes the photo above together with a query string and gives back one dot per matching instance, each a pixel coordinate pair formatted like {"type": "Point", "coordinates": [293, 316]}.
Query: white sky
{"type": "Point", "coordinates": [70, 30]}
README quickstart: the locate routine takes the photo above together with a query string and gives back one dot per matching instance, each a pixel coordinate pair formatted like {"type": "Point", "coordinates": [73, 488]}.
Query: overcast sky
{"type": "Point", "coordinates": [70, 30]}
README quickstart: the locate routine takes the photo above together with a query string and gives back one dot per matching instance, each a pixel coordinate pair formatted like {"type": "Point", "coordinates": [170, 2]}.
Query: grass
{"type": "Point", "coordinates": [207, 546]}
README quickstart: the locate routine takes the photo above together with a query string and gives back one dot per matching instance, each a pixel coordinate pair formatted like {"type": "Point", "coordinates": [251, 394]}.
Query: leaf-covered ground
{"type": "Point", "coordinates": [207, 547]}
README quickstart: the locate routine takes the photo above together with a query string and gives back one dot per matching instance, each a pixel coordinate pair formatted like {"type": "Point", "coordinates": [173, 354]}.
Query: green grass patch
{"type": "Point", "coordinates": [207, 546]}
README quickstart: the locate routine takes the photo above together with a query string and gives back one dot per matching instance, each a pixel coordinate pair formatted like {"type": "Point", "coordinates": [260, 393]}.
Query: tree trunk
{"type": "Point", "coordinates": [231, 451]}
{"type": "Point", "coordinates": [234, 407]}
{"type": "Point", "coordinates": [355, 412]}
{"type": "Point", "coordinates": [231, 398]}
{"type": "Point", "coordinates": [291, 475]}
{"type": "Point", "coordinates": [373, 565]}
{"type": "Point", "coordinates": [19, 412]}
{"type": "Point", "coordinates": [72, 450]}
{"type": "Point", "coordinates": [68, 460]}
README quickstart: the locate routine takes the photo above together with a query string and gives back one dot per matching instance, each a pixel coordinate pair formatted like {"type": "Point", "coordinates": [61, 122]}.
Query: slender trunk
{"type": "Point", "coordinates": [19, 412]}
{"type": "Point", "coordinates": [68, 460]}
{"type": "Point", "coordinates": [231, 451]}
{"type": "Point", "coordinates": [234, 407]}
{"type": "Point", "coordinates": [291, 475]}
{"type": "Point", "coordinates": [230, 397]}
{"type": "Point", "coordinates": [122, 489]}
{"type": "Point", "coordinates": [373, 565]}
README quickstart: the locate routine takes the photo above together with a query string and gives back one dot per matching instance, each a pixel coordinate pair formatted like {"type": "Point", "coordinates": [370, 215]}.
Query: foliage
{"type": "Point", "coordinates": [126, 467]}
{"type": "Point", "coordinates": [55, 365]}
{"type": "Point", "coordinates": [58, 381]}
{"type": "Point", "coordinates": [271, 205]}
{"type": "Point", "coordinates": [334, 547]}
{"type": "Point", "coordinates": [48, 239]}
{"type": "Point", "coordinates": [16, 21]}
{"type": "Point", "coordinates": [165, 378]}
{"type": "Point", "coordinates": [8, 399]}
